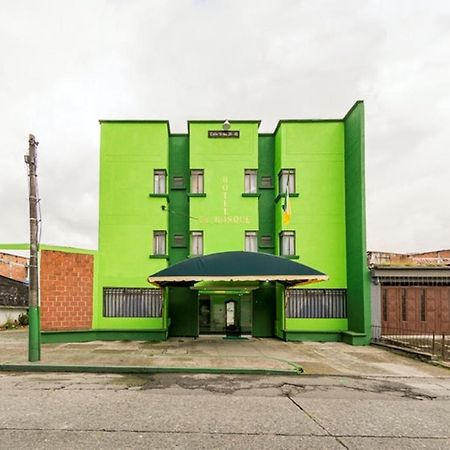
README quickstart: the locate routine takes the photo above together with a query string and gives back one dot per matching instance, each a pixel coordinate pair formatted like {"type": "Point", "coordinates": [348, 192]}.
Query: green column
{"type": "Point", "coordinates": [34, 334]}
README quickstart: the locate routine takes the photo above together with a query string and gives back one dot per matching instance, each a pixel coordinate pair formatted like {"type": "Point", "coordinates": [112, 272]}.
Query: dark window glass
{"type": "Point", "coordinates": [266, 241]}
{"type": "Point", "coordinates": [178, 182]}
{"type": "Point", "coordinates": [266, 182]}
{"type": "Point", "coordinates": [179, 240]}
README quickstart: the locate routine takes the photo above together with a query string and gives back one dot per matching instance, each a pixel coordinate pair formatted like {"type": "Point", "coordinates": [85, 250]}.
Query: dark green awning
{"type": "Point", "coordinates": [237, 266]}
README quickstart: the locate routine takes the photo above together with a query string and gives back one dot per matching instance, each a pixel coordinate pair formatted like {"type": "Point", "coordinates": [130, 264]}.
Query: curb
{"type": "Point", "coordinates": [145, 370]}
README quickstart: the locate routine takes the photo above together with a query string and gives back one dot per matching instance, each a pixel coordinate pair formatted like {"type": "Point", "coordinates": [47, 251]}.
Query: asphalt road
{"type": "Point", "coordinates": [59, 411]}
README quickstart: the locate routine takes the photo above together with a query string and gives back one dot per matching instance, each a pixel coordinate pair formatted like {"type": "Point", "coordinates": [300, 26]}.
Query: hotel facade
{"type": "Point", "coordinates": [221, 199]}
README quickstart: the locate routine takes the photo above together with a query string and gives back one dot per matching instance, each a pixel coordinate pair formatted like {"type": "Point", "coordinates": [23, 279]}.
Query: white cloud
{"type": "Point", "coordinates": [67, 64]}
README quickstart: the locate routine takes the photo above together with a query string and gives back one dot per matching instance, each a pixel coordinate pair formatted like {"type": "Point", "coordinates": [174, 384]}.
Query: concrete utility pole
{"type": "Point", "coordinates": [34, 332]}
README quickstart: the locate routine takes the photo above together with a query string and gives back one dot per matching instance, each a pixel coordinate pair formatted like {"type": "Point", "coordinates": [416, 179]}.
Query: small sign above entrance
{"type": "Point", "coordinates": [223, 133]}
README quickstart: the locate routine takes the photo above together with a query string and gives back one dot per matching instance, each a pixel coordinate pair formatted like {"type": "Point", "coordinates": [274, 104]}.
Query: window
{"type": "Point", "coordinates": [266, 241]}
{"type": "Point", "coordinates": [316, 303]}
{"type": "Point", "coordinates": [287, 243]}
{"type": "Point", "coordinates": [266, 181]}
{"type": "Point", "coordinates": [177, 182]}
{"type": "Point", "coordinates": [286, 178]}
{"type": "Point", "coordinates": [251, 241]}
{"type": "Point", "coordinates": [197, 182]}
{"type": "Point", "coordinates": [196, 243]}
{"type": "Point", "coordinates": [159, 242]}
{"type": "Point", "coordinates": [250, 181]}
{"type": "Point", "coordinates": [132, 302]}
{"type": "Point", "coordinates": [159, 181]}
{"type": "Point", "coordinates": [179, 240]}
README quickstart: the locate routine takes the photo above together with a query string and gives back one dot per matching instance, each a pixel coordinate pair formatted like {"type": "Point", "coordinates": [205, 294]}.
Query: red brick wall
{"type": "Point", "coordinates": [13, 266]}
{"type": "Point", "coordinates": [66, 290]}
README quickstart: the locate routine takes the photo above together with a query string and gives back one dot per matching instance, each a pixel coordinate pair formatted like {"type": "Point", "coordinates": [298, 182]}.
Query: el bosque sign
{"type": "Point", "coordinates": [223, 134]}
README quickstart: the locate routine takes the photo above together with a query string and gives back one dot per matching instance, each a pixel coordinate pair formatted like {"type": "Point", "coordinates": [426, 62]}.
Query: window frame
{"type": "Point", "coordinates": [157, 175]}
{"type": "Point", "coordinates": [198, 174]}
{"type": "Point", "coordinates": [250, 181]}
{"type": "Point", "coordinates": [178, 182]}
{"type": "Point", "coordinates": [126, 302]}
{"type": "Point", "coordinates": [292, 181]}
{"type": "Point", "coordinates": [158, 234]}
{"type": "Point", "coordinates": [251, 234]}
{"type": "Point", "coordinates": [196, 234]}
{"type": "Point", "coordinates": [287, 234]}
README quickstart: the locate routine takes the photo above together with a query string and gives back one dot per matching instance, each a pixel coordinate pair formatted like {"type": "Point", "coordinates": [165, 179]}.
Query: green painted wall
{"type": "Point", "coordinates": [316, 324]}
{"type": "Point", "coordinates": [358, 281]}
{"type": "Point", "coordinates": [266, 154]}
{"type": "Point", "coordinates": [223, 214]}
{"type": "Point", "coordinates": [183, 312]}
{"type": "Point", "coordinates": [264, 310]}
{"type": "Point", "coordinates": [129, 152]}
{"type": "Point", "coordinates": [280, 310]}
{"type": "Point", "coordinates": [316, 151]}
{"type": "Point", "coordinates": [178, 209]}
{"type": "Point", "coordinates": [182, 302]}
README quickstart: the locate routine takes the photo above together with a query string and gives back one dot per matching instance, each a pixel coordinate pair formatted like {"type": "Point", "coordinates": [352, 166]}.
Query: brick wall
{"type": "Point", "coordinates": [66, 290]}
{"type": "Point", "coordinates": [13, 266]}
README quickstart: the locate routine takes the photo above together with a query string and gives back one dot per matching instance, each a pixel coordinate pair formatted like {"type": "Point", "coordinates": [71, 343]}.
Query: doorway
{"type": "Point", "coordinates": [212, 312]}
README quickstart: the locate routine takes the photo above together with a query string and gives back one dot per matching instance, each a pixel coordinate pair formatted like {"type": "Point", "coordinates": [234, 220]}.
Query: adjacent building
{"type": "Point", "coordinates": [13, 287]}
{"type": "Point", "coordinates": [410, 292]}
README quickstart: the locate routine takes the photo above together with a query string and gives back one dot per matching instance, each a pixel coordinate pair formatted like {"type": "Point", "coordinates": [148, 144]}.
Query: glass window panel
{"type": "Point", "coordinates": [197, 182]}
{"type": "Point", "coordinates": [159, 181]}
{"type": "Point", "coordinates": [159, 242]}
{"type": "Point", "coordinates": [250, 179]}
{"type": "Point", "coordinates": [251, 241]}
{"type": "Point", "coordinates": [197, 243]}
{"type": "Point", "coordinates": [287, 178]}
{"type": "Point", "coordinates": [287, 246]}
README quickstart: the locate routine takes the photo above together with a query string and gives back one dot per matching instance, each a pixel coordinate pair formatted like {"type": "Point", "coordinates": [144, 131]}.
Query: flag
{"type": "Point", "coordinates": [286, 206]}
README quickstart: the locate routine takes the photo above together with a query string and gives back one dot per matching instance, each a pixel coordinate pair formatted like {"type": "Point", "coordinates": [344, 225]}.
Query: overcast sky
{"type": "Point", "coordinates": [66, 64]}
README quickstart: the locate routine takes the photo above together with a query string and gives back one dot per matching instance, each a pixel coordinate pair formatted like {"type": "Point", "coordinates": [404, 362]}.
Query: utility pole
{"type": "Point", "coordinates": [34, 332]}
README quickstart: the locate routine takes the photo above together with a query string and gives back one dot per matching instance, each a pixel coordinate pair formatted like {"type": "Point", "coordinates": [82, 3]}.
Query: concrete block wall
{"type": "Point", "coordinates": [66, 290]}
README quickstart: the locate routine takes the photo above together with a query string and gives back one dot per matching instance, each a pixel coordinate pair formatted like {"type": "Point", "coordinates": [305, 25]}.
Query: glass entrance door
{"type": "Point", "coordinates": [212, 315]}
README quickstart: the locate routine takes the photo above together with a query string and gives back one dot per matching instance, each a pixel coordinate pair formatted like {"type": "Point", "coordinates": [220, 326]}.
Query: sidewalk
{"type": "Point", "coordinates": [212, 354]}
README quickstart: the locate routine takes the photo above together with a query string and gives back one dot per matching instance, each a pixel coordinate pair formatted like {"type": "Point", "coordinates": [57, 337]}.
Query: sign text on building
{"type": "Point", "coordinates": [223, 133]}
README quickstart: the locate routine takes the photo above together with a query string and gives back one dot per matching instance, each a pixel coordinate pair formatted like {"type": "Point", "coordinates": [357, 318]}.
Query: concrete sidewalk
{"type": "Point", "coordinates": [214, 354]}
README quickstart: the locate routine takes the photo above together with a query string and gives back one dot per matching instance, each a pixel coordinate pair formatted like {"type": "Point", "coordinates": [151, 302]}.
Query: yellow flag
{"type": "Point", "coordinates": [286, 208]}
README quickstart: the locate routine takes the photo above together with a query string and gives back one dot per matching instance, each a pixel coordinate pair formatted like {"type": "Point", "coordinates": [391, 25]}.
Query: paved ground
{"type": "Point", "coordinates": [164, 411]}
{"type": "Point", "coordinates": [333, 358]}
{"type": "Point", "coordinates": [349, 397]}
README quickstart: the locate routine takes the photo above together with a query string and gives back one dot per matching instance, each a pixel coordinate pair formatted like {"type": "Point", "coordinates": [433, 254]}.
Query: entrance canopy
{"type": "Point", "coordinates": [236, 266]}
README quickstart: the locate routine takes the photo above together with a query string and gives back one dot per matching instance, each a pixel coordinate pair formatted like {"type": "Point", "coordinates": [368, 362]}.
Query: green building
{"type": "Point", "coordinates": [167, 198]}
